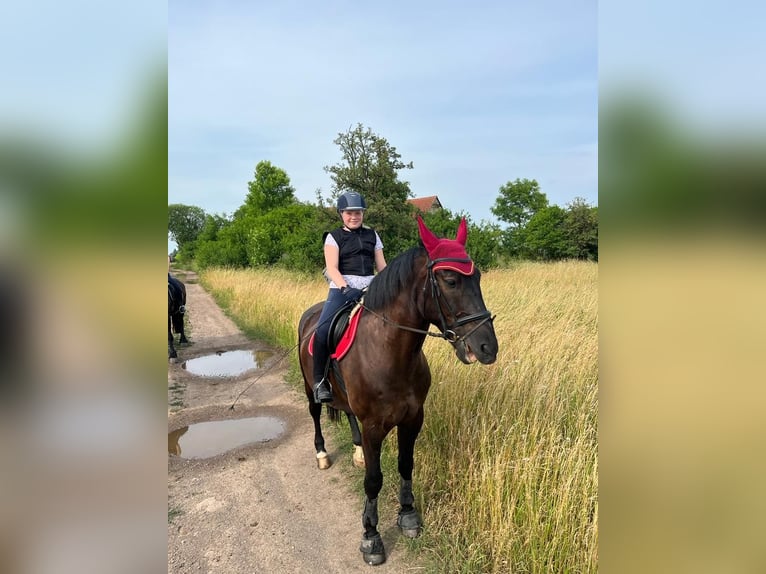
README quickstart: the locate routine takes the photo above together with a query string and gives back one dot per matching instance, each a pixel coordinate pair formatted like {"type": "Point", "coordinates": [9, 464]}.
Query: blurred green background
{"type": "Point", "coordinates": [83, 176]}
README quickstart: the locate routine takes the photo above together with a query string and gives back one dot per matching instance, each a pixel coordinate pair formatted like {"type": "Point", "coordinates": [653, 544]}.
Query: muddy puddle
{"type": "Point", "coordinates": [203, 440]}
{"type": "Point", "coordinates": [227, 363]}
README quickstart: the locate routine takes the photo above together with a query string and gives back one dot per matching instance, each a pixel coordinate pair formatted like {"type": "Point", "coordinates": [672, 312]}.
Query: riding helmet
{"type": "Point", "coordinates": [351, 200]}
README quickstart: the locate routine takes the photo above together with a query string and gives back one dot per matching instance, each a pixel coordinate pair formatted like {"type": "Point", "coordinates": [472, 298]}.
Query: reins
{"type": "Point", "coordinates": [404, 327]}
{"type": "Point", "coordinates": [265, 371]}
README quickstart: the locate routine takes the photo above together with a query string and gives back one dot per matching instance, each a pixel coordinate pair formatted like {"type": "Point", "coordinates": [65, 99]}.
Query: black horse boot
{"type": "Point", "coordinates": [322, 389]}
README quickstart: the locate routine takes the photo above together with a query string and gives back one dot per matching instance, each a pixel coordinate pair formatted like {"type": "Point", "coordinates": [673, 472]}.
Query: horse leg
{"type": "Point", "coordinates": [178, 325]}
{"type": "Point", "coordinates": [372, 548]}
{"type": "Point", "coordinates": [408, 520]}
{"type": "Point", "coordinates": [183, 338]}
{"type": "Point", "coordinates": [171, 349]}
{"type": "Point", "coordinates": [356, 438]}
{"type": "Point", "coordinates": [323, 461]}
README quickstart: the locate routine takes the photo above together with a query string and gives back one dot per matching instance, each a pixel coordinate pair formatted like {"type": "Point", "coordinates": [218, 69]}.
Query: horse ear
{"type": "Point", "coordinates": [462, 233]}
{"type": "Point", "coordinates": [426, 235]}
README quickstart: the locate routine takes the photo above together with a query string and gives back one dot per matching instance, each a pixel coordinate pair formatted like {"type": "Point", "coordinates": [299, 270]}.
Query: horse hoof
{"type": "Point", "coordinates": [323, 461]}
{"type": "Point", "coordinates": [409, 523]}
{"type": "Point", "coordinates": [373, 551]}
{"type": "Point", "coordinates": [358, 457]}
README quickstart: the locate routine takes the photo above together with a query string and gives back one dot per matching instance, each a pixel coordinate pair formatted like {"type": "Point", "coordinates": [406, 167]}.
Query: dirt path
{"type": "Point", "coordinates": [264, 508]}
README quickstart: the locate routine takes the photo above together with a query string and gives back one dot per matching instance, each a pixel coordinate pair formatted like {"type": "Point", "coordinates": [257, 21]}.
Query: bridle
{"type": "Point", "coordinates": [447, 330]}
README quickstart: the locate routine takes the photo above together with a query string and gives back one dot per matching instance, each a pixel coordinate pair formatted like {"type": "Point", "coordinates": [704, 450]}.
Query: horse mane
{"type": "Point", "coordinates": [387, 284]}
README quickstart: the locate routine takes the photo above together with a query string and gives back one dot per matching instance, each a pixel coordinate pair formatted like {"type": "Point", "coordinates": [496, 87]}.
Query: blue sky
{"type": "Point", "coordinates": [474, 94]}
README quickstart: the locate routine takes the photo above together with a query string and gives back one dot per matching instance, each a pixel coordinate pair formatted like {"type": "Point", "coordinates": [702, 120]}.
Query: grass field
{"type": "Point", "coordinates": [506, 467]}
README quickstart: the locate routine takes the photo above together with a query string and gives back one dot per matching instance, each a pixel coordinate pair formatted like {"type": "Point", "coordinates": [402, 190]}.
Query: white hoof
{"type": "Point", "coordinates": [323, 461]}
{"type": "Point", "coordinates": [358, 457]}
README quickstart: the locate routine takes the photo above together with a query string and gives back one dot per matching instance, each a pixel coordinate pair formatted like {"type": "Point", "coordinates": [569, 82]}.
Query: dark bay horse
{"type": "Point", "coordinates": [384, 378]}
{"type": "Point", "coordinates": [176, 310]}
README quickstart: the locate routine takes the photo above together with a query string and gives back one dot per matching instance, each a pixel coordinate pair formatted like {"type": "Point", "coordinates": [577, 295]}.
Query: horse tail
{"type": "Point", "coordinates": [334, 414]}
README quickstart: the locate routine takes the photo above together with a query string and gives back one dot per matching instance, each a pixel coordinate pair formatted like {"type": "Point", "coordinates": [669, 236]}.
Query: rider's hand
{"type": "Point", "coordinates": [351, 294]}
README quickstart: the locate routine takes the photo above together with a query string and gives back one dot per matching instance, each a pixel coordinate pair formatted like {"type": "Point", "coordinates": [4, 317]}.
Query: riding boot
{"type": "Point", "coordinates": [322, 389]}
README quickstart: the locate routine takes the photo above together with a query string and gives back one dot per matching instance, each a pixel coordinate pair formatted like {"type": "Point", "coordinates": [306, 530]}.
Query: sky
{"type": "Point", "coordinates": [475, 95]}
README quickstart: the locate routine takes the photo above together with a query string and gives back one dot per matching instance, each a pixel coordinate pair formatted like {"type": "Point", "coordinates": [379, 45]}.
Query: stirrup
{"type": "Point", "coordinates": [322, 392]}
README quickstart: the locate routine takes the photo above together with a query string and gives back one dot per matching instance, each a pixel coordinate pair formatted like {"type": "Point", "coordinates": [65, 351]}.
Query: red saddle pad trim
{"type": "Point", "coordinates": [345, 341]}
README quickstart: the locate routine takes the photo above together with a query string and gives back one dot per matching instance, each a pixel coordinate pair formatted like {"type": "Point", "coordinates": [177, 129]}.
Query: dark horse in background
{"type": "Point", "coordinates": [176, 310]}
{"type": "Point", "coordinates": [384, 378]}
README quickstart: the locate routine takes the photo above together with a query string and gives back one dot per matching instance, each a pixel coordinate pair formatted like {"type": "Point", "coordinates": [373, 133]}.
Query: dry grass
{"type": "Point", "coordinates": [506, 465]}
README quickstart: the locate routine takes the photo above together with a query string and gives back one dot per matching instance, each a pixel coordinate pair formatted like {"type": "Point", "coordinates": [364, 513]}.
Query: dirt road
{"type": "Point", "coordinates": [264, 508]}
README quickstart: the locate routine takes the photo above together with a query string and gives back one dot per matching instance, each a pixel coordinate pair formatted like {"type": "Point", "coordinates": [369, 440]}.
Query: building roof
{"type": "Point", "coordinates": [426, 204]}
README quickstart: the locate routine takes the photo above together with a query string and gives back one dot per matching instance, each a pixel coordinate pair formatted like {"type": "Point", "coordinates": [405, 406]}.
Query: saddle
{"type": "Point", "coordinates": [342, 330]}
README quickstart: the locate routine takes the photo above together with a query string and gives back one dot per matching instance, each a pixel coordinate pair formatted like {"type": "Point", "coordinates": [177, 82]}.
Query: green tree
{"type": "Point", "coordinates": [371, 167]}
{"type": "Point", "coordinates": [269, 190]}
{"type": "Point", "coordinates": [544, 236]}
{"type": "Point", "coordinates": [185, 223]}
{"type": "Point", "coordinates": [212, 227]}
{"type": "Point", "coordinates": [517, 202]}
{"type": "Point", "coordinates": [581, 229]}
{"type": "Point", "coordinates": [289, 236]}
{"type": "Point", "coordinates": [224, 248]}
{"type": "Point", "coordinates": [484, 241]}
{"type": "Point", "coordinates": [219, 244]}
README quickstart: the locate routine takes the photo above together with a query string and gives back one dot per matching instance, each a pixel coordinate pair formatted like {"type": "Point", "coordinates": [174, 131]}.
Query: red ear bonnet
{"type": "Point", "coordinates": [447, 248]}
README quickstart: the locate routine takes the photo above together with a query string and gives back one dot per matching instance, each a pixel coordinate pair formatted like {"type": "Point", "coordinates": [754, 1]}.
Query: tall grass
{"type": "Point", "coordinates": [506, 464]}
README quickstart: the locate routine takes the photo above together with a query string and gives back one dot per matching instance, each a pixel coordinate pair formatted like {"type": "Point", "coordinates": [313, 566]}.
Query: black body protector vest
{"type": "Point", "coordinates": [356, 251]}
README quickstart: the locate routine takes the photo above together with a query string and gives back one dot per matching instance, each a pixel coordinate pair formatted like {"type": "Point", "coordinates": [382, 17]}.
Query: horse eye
{"type": "Point", "coordinates": [450, 281]}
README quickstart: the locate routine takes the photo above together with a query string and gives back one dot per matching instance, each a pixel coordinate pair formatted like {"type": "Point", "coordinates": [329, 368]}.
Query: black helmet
{"type": "Point", "coordinates": [351, 200]}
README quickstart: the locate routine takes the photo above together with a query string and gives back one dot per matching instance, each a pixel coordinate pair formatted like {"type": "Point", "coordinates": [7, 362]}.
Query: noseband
{"type": "Point", "coordinates": [448, 331]}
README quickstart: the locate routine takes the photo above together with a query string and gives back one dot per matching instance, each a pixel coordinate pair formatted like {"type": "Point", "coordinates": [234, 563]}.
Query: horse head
{"type": "Point", "coordinates": [456, 303]}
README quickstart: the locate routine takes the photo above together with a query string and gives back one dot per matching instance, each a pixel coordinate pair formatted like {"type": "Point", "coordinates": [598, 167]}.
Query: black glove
{"type": "Point", "coordinates": [351, 294]}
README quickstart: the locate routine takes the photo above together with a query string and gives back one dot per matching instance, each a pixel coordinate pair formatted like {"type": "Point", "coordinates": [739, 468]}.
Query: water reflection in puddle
{"type": "Point", "coordinates": [203, 440]}
{"type": "Point", "coordinates": [226, 364]}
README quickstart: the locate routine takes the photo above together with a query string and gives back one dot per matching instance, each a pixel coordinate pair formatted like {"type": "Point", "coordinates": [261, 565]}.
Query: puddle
{"type": "Point", "coordinates": [227, 363]}
{"type": "Point", "coordinates": [203, 440]}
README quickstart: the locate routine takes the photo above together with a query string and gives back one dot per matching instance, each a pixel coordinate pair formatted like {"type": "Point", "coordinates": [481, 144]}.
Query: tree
{"type": "Point", "coordinates": [484, 244]}
{"type": "Point", "coordinates": [544, 237]}
{"type": "Point", "coordinates": [221, 244]}
{"type": "Point", "coordinates": [371, 167]}
{"type": "Point", "coordinates": [289, 236]}
{"type": "Point", "coordinates": [518, 202]}
{"type": "Point", "coordinates": [211, 228]}
{"type": "Point", "coordinates": [185, 223]}
{"type": "Point", "coordinates": [269, 190]}
{"type": "Point", "coordinates": [581, 229]}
